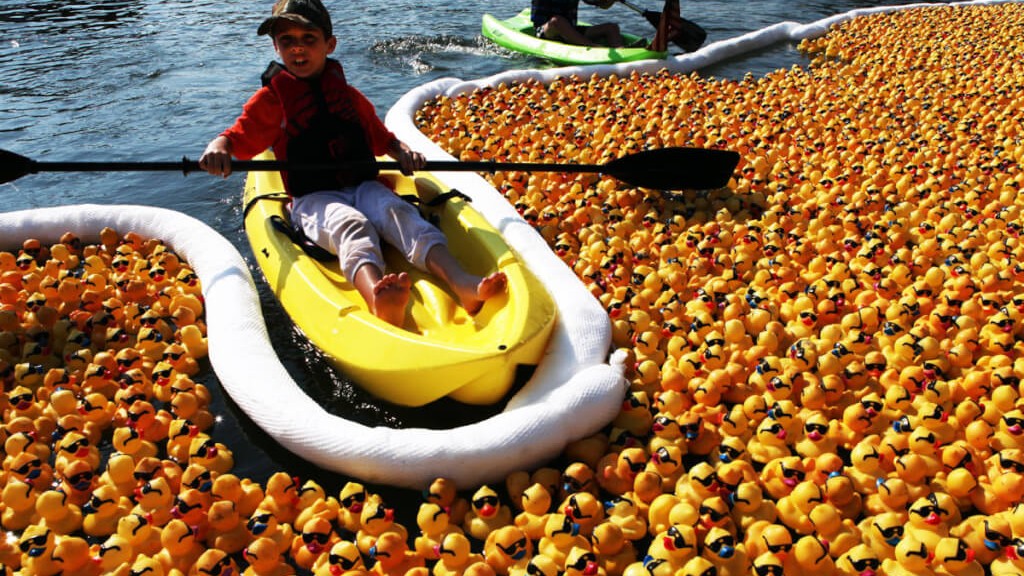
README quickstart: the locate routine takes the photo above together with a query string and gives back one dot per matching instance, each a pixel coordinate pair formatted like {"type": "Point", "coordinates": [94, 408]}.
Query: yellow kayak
{"type": "Point", "coordinates": [441, 350]}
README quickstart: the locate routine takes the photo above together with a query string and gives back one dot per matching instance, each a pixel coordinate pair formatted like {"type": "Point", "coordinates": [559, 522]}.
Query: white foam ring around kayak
{"type": "Point", "coordinates": [534, 427]}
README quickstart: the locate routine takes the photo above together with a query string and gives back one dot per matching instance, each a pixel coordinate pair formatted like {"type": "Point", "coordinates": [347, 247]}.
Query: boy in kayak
{"type": "Point", "coordinates": [556, 20]}
{"type": "Point", "coordinates": [306, 110]}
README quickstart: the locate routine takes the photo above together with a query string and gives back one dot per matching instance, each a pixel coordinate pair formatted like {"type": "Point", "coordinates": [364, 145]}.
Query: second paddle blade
{"type": "Point", "coordinates": [675, 168]}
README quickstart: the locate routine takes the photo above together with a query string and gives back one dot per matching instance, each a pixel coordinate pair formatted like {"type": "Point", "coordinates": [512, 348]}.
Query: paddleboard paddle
{"type": "Point", "coordinates": [676, 168]}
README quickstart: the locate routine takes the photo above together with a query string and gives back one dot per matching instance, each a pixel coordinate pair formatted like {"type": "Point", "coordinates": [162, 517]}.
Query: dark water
{"type": "Point", "coordinates": [156, 79]}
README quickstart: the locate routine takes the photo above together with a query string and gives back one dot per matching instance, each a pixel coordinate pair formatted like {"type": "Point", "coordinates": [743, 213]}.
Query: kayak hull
{"type": "Point", "coordinates": [517, 34]}
{"type": "Point", "coordinates": [441, 350]}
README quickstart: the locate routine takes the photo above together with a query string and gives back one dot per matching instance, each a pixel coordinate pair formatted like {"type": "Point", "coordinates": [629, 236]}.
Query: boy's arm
{"type": "Point", "coordinates": [253, 132]}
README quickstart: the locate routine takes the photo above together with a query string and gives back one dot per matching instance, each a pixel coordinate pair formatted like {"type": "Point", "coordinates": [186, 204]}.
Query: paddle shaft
{"type": "Point", "coordinates": [664, 168]}
{"type": "Point", "coordinates": [186, 166]}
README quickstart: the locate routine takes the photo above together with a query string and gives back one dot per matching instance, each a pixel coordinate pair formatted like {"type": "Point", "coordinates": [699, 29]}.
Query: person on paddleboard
{"type": "Point", "coordinates": [557, 20]}
{"type": "Point", "coordinates": [307, 111]}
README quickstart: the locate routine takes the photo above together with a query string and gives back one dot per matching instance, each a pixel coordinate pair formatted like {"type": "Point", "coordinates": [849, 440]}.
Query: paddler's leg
{"type": "Point", "coordinates": [423, 245]}
{"type": "Point", "coordinates": [471, 289]}
{"type": "Point", "coordinates": [387, 295]}
{"type": "Point", "coordinates": [329, 219]}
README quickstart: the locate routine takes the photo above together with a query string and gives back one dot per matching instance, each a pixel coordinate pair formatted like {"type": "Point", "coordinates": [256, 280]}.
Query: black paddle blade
{"type": "Point", "coordinates": [684, 33]}
{"type": "Point", "coordinates": [14, 166]}
{"type": "Point", "coordinates": [675, 168]}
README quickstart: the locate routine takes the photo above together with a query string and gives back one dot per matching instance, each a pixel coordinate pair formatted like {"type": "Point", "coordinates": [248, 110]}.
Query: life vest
{"type": "Point", "coordinates": [321, 126]}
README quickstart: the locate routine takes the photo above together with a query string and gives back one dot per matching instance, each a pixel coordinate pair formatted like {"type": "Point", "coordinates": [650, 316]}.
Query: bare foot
{"type": "Point", "coordinates": [474, 297]}
{"type": "Point", "coordinates": [390, 296]}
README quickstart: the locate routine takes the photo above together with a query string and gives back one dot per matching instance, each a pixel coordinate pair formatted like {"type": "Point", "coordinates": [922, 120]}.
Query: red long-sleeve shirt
{"type": "Point", "coordinates": [261, 125]}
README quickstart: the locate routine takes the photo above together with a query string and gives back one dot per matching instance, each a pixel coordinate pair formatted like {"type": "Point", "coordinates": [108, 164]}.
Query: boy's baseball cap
{"type": "Point", "coordinates": [304, 12]}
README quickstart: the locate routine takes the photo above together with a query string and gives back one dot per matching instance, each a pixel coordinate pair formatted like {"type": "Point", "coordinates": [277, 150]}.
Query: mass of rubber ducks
{"type": "Point", "coordinates": [826, 356]}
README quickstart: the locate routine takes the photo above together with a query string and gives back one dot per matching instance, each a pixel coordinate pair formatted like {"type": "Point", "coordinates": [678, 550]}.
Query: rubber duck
{"type": "Point", "coordinates": [582, 561]}
{"type": "Point", "coordinates": [38, 545]}
{"type": "Point", "coordinates": [263, 524]}
{"type": "Point", "coordinates": [74, 556]}
{"type": "Point", "coordinates": [77, 481]}
{"type": "Point", "coordinates": [698, 431]}
{"type": "Point", "coordinates": [624, 513]}
{"type": "Point", "coordinates": [195, 342]}
{"type": "Point", "coordinates": [910, 557]}
{"type": "Point", "coordinates": [154, 499]}
{"type": "Point", "coordinates": [152, 425]}
{"type": "Point", "coordinates": [342, 558]}
{"type": "Point", "coordinates": [57, 513]}
{"type": "Point", "coordinates": [676, 546]}
{"type": "Point", "coordinates": [929, 520]}
{"type": "Point", "coordinates": [1009, 431]}
{"type": "Point", "coordinates": [351, 498]}
{"type": "Point", "coordinates": [187, 405]}
{"type": "Point", "coordinates": [820, 436]}
{"type": "Point", "coordinates": [224, 527]}
{"type": "Point", "coordinates": [434, 525]}
{"type": "Point", "coordinates": [667, 463]}
{"type": "Point", "coordinates": [561, 534]}
{"type": "Point", "coordinates": [191, 505]}
{"type": "Point", "coordinates": [486, 514]}
{"type": "Point", "coordinates": [265, 559]}
{"type": "Point", "coordinates": [699, 484]}
{"type": "Point", "coordinates": [810, 555]}
{"type": "Point", "coordinates": [731, 449]}
{"type": "Point", "coordinates": [989, 536]}
{"type": "Point", "coordinates": [316, 538]}
{"type": "Point", "coordinates": [127, 440]}
{"type": "Point", "coordinates": [75, 447]}
{"type": "Point", "coordinates": [180, 547]}
{"type": "Point", "coordinates": [539, 565]}
{"type": "Point", "coordinates": [376, 519]}
{"type": "Point", "coordinates": [213, 455]}
{"type": "Point", "coordinates": [841, 493]}
{"type": "Point", "coordinates": [576, 477]}
{"type": "Point", "coordinates": [18, 505]}
{"type": "Point", "coordinates": [119, 474]}
{"type": "Point", "coordinates": [841, 533]}
{"type": "Point", "coordinates": [953, 556]}
{"type": "Point", "coordinates": [635, 415]}
{"type": "Point", "coordinates": [584, 509]}
{"type": "Point", "coordinates": [147, 469]}
{"type": "Point", "coordinates": [214, 561]}
{"type": "Point", "coordinates": [794, 508]}
{"type": "Point", "coordinates": [614, 552]}
{"type": "Point", "coordinates": [180, 433]}
{"type": "Point", "coordinates": [453, 555]}
{"type": "Point", "coordinates": [146, 564]}
{"type": "Point", "coordinates": [314, 503]}
{"type": "Point", "coordinates": [19, 442]}
{"type": "Point", "coordinates": [768, 538]}
{"type": "Point", "coordinates": [507, 548]}
{"type": "Point", "coordinates": [281, 497]}
{"type": "Point", "coordinates": [781, 475]}
{"type": "Point", "coordinates": [31, 469]}
{"type": "Point", "coordinates": [722, 550]}
{"type": "Point", "coordinates": [180, 360]}
{"type": "Point", "coordinates": [139, 531]}
{"type": "Point", "coordinates": [535, 505]}
{"type": "Point", "coordinates": [113, 556]}
{"type": "Point", "coordinates": [749, 506]}
{"type": "Point", "coordinates": [392, 555]}
{"type": "Point", "coordinates": [245, 493]}
{"type": "Point", "coordinates": [103, 510]}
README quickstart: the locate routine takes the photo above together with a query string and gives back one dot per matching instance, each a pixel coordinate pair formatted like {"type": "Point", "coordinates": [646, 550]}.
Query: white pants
{"type": "Point", "coordinates": [352, 222]}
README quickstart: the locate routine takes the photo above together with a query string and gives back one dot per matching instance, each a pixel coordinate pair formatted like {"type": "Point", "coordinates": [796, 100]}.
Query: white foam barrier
{"type": "Point", "coordinates": [582, 396]}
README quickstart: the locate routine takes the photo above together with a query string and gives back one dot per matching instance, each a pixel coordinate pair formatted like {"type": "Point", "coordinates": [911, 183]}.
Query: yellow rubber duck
{"type": "Point", "coordinates": [486, 514]}
{"type": "Point", "coordinates": [58, 513]}
{"type": "Point", "coordinates": [265, 559]}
